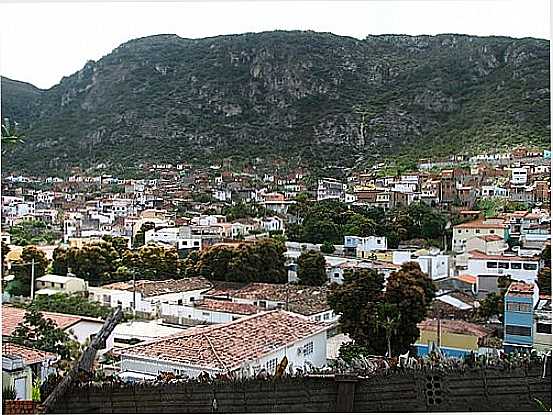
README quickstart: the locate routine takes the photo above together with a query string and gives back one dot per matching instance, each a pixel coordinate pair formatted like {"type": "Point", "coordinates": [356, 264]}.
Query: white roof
{"type": "Point", "coordinates": [144, 330]}
{"type": "Point", "coordinates": [454, 302]}
{"type": "Point", "coordinates": [56, 278]}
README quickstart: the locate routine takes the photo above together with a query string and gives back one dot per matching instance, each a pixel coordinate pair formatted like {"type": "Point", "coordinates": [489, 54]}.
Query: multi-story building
{"type": "Point", "coordinates": [330, 189]}
{"type": "Point", "coordinates": [465, 231]}
{"type": "Point", "coordinates": [518, 321]}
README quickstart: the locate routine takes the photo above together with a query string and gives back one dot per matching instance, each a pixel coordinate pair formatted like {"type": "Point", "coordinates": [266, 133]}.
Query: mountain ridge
{"type": "Point", "coordinates": [318, 97]}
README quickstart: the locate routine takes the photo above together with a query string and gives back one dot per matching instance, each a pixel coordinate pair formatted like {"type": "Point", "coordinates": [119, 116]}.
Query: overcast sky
{"type": "Point", "coordinates": [42, 42]}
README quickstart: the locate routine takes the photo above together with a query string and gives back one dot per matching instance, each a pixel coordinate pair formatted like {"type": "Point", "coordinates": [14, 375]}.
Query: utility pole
{"type": "Point", "coordinates": [32, 279]}
{"type": "Point", "coordinates": [134, 294]}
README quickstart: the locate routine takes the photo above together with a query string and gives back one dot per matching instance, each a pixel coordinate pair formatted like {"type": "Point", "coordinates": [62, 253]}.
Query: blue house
{"type": "Point", "coordinates": [518, 322]}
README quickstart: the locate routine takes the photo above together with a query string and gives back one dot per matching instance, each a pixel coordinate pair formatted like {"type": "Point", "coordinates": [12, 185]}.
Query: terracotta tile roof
{"type": "Point", "coordinates": [520, 289]}
{"type": "Point", "coordinates": [227, 346]}
{"type": "Point", "coordinates": [152, 288]}
{"type": "Point", "coordinates": [480, 224]}
{"type": "Point", "coordinates": [469, 279]}
{"type": "Point", "coordinates": [12, 316]}
{"type": "Point", "coordinates": [226, 306]}
{"type": "Point", "coordinates": [29, 356]}
{"type": "Point", "coordinates": [476, 254]}
{"type": "Point", "coordinates": [455, 326]}
{"type": "Point", "coordinates": [300, 299]}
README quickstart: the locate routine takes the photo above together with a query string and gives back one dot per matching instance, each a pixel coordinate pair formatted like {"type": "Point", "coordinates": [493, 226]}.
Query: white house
{"type": "Point", "coordinates": [363, 246]}
{"type": "Point", "coordinates": [465, 231]}
{"type": "Point", "coordinates": [273, 223]}
{"type": "Point", "coordinates": [519, 176]}
{"type": "Point", "coordinates": [330, 189]}
{"type": "Point", "coordinates": [241, 348]}
{"type": "Point", "coordinates": [50, 284]}
{"type": "Point", "coordinates": [208, 311]}
{"type": "Point", "coordinates": [150, 295]}
{"type": "Point", "coordinates": [436, 266]}
{"type": "Point", "coordinates": [487, 269]}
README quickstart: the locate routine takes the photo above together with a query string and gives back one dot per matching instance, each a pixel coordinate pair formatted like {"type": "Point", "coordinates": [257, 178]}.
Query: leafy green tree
{"type": "Point", "coordinates": [5, 250]}
{"type": "Point", "coordinates": [320, 229]}
{"type": "Point", "coordinates": [312, 268]}
{"type": "Point", "coordinates": [383, 322]}
{"type": "Point", "coordinates": [22, 270]}
{"type": "Point", "coordinates": [152, 262]}
{"type": "Point", "coordinates": [356, 300]}
{"type": "Point", "coordinates": [120, 244]}
{"type": "Point", "coordinates": [359, 225]}
{"type": "Point", "coordinates": [30, 232]}
{"type": "Point", "coordinates": [70, 304]}
{"type": "Point", "coordinates": [41, 333]}
{"type": "Point", "coordinates": [93, 262]}
{"type": "Point", "coordinates": [262, 261]}
{"type": "Point", "coordinates": [412, 292]}
{"type": "Point", "coordinates": [544, 280]}
{"type": "Point", "coordinates": [327, 248]}
{"type": "Point", "coordinates": [139, 238]}
{"type": "Point", "coordinates": [490, 306]}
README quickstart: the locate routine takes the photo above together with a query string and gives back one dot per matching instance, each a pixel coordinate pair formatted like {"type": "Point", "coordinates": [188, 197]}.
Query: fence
{"type": "Point", "coordinates": [402, 391]}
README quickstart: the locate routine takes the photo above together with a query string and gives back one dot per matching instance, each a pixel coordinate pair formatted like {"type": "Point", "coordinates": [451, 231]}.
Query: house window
{"type": "Point", "coordinates": [530, 267]}
{"type": "Point", "coordinates": [262, 304]}
{"type": "Point", "coordinates": [308, 349]}
{"type": "Point", "coordinates": [317, 318]}
{"type": "Point", "coordinates": [205, 314]}
{"type": "Point", "coordinates": [477, 231]}
{"type": "Point", "coordinates": [518, 330]}
{"type": "Point", "coordinates": [516, 265]}
{"type": "Point", "coordinates": [459, 231]}
{"type": "Point", "coordinates": [503, 265]}
{"type": "Point", "coordinates": [492, 231]}
{"type": "Point", "coordinates": [271, 365]}
{"type": "Point", "coordinates": [336, 275]}
{"type": "Point", "coordinates": [491, 264]}
{"type": "Point", "coordinates": [326, 316]}
{"type": "Point", "coordinates": [543, 328]}
{"type": "Point", "coordinates": [519, 307]}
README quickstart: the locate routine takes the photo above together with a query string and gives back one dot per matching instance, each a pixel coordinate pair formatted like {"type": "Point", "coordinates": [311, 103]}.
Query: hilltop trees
{"type": "Point", "coordinates": [22, 269]}
{"type": "Point", "coordinates": [262, 261]}
{"type": "Point", "coordinates": [32, 232]}
{"type": "Point", "coordinates": [312, 268]}
{"type": "Point", "coordinates": [381, 321]}
{"type": "Point", "coordinates": [329, 221]}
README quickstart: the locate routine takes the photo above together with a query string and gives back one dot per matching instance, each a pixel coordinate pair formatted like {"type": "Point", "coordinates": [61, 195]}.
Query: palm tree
{"type": "Point", "coordinates": [10, 136]}
{"type": "Point", "coordinates": [387, 319]}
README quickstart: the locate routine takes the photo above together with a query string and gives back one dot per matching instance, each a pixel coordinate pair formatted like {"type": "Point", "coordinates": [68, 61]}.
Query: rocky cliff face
{"type": "Point", "coordinates": [314, 95]}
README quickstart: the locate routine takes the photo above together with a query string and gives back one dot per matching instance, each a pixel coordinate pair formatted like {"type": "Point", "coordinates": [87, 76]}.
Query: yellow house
{"type": "Point", "coordinates": [455, 337]}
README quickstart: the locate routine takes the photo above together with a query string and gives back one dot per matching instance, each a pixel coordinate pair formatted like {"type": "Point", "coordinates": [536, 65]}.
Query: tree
{"type": "Point", "coordinates": [490, 306]}
{"type": "Point", "coordinates": [383, 322]}
{"type": "Point", "coordinates": [544, 280]}
{"type": "Point", "coordinates": [70, 304]}
{"type": "Point", "coordinates": [22, 270]}
{"type": "Point", "coordinates": [312, 268]}
{"type": "Point", "coordinates": [32, 231]}
{"type": "Point", "coordinates": [387, 319]}
{"type": "Point", "coordinates": [41, 333]}
{"type": "Point", "coordinates": [152, 262]}
{"type": "Point", "coordinates": [9, 133]}
{"type": "Point", "coordinates": [356, 301]}
{"type": "Point", "coordinates": [262, 261]}
{"type": "Point", "coordinates": [327, 248]}
{"type": "Point", "coordinates": [93, 262]}
{"type": "Point", "coordinates": [412, 292]}
{"type": "Point", "coordinates": [139, 238]}
{"type": "Point", "coordinates": [546, 256]}
{"type": "Point", "coordinates": [5, 251]}
{"type": "Point", "coordinates": [120, 244]}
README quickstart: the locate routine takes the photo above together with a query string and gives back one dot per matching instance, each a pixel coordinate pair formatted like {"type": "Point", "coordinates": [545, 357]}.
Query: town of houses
{"type": "Point", "coordinates": [185, 325]}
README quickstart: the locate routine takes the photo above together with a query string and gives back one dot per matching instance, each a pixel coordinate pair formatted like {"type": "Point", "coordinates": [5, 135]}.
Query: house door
{"type": "Point", "coordinates": [21, 388]}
